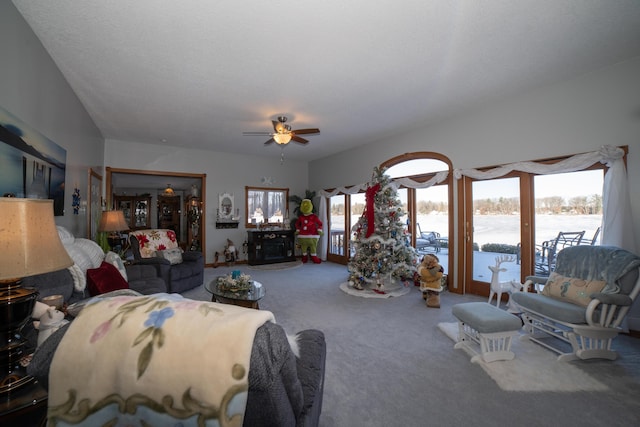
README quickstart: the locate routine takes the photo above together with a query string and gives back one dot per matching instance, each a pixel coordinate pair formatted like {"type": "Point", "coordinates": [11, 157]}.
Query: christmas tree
{"type": "Point", "coordinates": [382, 251]}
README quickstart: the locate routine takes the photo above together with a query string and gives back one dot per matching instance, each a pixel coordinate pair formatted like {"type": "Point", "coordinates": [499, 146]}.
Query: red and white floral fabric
{"type": "Point", "coordinates": [155, 240]}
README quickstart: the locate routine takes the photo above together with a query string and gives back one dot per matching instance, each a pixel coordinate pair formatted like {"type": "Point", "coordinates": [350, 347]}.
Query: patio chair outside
{"type": "Point", "coordinates": [593, 240]}
{"type": "Point", "coordinates": [547, 252]}
{"type": "Point", "coordinates": [427, 239]}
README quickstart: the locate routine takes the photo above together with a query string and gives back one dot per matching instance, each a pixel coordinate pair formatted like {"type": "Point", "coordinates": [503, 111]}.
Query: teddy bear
{"type": "Point", "coordinates": [308, 229]}
{"type": "Point", "coordinates": [431, 273]}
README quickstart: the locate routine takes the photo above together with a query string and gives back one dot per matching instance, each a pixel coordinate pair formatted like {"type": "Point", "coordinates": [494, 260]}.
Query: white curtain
{"type": "Point", "coordinates": [617, 222]}
{"type": "Point", "coordinates": [324, 195]}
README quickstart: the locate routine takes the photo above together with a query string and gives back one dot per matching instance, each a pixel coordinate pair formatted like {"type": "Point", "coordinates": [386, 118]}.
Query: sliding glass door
{"type": "Point", "coordinates": [513, 221]}
{"type": "Point", "coordinates": [338, 235]}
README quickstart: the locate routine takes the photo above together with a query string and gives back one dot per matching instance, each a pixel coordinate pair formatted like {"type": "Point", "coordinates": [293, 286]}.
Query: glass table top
{"type": "Point", "coordinates": [256, 292]}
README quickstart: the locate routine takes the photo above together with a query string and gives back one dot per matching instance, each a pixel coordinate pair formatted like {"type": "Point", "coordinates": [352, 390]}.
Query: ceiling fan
{"type": "Point", "coordinates": [282, 133]}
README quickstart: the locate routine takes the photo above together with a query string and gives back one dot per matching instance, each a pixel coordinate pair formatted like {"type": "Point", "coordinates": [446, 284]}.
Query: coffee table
{"type": "Point", "coordinates": [247, 299]}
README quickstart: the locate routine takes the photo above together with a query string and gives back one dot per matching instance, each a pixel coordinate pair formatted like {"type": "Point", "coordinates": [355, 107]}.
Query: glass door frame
{"type": "Point", "coordinates": [465, 222]}
{"type": "Point", "coordinates": [337, 258]}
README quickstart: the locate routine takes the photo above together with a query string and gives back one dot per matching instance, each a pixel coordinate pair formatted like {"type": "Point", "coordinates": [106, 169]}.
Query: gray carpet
{"type": "Point", "coordinates": [388, 364]}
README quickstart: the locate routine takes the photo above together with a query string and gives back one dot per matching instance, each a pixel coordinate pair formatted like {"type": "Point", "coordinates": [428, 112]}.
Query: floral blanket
{"type": "Point", "coordinates": [154, 360]}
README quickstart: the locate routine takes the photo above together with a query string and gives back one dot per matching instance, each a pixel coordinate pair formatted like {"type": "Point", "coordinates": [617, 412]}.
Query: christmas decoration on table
{"type": "Point", "coordinates": [234, 282]}
{"type": "Point", "coordinates": [382, 252]}
{"type": "Point", "coordinates": [308, 229]}
{"type": "Point", "coordinates": [431, 272]}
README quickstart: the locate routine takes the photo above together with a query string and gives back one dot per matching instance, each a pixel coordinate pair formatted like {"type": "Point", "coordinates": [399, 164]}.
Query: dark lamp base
{"type": "Point", "coordinates": [16, 307]}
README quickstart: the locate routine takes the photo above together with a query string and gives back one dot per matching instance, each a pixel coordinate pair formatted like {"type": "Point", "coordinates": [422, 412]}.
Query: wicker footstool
{"type": "Point", "coordinates": [488, 326]}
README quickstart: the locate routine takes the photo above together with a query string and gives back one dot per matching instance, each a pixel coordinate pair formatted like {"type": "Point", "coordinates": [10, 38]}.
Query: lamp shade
{"type": "Point", "coordinates": [282, 138]}
{"type": "Point", "coordinates": [29, 240]}
{"type": "Point", "coordinates": [113, 221]}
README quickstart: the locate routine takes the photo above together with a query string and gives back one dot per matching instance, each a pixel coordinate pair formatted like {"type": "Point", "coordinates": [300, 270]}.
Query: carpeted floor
{"type": "Point", "coordinates": [533, 369]}
{"type": "Point", "coordinates": [388, 364]}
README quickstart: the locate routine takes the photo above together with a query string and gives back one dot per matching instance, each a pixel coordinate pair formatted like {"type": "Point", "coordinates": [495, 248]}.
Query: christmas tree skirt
{"type": "Point", "coordinates": [371, 290]}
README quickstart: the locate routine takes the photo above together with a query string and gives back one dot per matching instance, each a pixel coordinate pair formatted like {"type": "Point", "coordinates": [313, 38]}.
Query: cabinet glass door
{"type": "Point", "coordinates": [125, 207]}
{"type": "Point", "coordinates": [142, 213]}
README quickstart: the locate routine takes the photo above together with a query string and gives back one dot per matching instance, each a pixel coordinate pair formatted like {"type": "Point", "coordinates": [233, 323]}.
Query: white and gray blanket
{"type": "Point", "coordinates": [157, 359]}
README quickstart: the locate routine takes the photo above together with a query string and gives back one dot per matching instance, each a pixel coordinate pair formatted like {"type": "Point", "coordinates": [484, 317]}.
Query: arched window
{"type": "Point", "coordinates": [425, 189]}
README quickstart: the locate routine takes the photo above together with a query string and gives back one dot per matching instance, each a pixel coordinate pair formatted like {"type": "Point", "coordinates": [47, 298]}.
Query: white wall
{"type": "Point", "coordinates": [33, 89]}
{"type": "Point", "coordinates": [225, 173]}
{"type": "Point", "coordinates": [566, 118]}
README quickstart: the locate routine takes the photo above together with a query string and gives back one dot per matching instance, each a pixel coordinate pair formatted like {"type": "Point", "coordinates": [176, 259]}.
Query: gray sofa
{"type": "Point", "coordinates": [144, 279]}
{"type": "Point", "coordinates": [284, 390]}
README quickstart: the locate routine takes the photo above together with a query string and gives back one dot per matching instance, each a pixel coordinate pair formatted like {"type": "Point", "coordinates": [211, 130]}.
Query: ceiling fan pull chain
{"type": "Point", "coordinates": [281, 154]}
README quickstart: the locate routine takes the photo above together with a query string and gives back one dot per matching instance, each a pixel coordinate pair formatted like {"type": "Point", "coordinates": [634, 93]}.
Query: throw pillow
{"type": "Point", "coordinates": [105, 278]}
{"type": "Point", "coordinates": [174, 256]}
{"type": "Point", "coordinates": [571, 289]}
{"type": "Point", "coordinates": [113, 259]}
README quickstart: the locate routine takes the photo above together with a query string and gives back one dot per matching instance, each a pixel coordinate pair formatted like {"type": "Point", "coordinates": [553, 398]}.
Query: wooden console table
{"type": "Point", "coordinates": [269, 247]}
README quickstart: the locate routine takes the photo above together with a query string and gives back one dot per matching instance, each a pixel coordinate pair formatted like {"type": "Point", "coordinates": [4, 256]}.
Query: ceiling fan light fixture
{"type": "Point", "coordinates": [282, 138]}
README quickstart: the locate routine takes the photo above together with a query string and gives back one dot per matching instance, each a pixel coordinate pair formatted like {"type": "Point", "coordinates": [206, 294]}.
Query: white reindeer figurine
{"type": "Point", "coordinates": [498, 287]}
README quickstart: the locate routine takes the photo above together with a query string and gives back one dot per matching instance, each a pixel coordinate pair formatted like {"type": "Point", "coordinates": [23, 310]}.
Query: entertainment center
{"type": "Point", "coordinates": [269, 247]}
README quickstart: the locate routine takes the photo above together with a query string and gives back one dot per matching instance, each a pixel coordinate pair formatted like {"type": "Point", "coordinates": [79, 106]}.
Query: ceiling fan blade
{"type": "Point", "coordinates": [271, 141]}
{"type": "Point", "coordinates": [256, 133]}
{"type": "Point", "coordinates": [306, 131]}
{"type": "Point", "coordinates": [298, 139]}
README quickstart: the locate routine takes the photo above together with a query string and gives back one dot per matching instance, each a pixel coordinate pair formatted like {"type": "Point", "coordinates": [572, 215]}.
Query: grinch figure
{"type": "Point", "coordinates": [308, 230]}
{"type": "Point", "coordinates": [431, 272]}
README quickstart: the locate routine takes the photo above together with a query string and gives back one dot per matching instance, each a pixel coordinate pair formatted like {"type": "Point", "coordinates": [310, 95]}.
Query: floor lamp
{"type": "Point", "coordinates": [30, 245]}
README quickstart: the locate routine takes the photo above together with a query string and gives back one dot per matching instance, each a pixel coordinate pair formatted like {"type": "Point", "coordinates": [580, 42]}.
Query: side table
{"type": "Point", "coordinates": [26, 406]}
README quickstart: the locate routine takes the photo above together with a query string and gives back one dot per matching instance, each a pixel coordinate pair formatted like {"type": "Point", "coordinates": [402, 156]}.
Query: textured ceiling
{"type": "Point", "coordinates": [199, 73]}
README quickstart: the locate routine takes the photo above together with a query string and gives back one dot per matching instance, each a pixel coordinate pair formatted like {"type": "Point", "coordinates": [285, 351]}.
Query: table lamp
{"type": "Point", "coordinates": [30, 245]}
{"type": "Point", "coordinates": [113, 222]}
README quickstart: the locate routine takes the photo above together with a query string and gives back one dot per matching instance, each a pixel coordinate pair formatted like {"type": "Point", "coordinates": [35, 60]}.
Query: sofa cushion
{"type": "Point", "coordinates": [151, 241]}
{"type": "Point", "coordinates": [571, 289]}
{"type": "Point", "coordinates": [103, 279]}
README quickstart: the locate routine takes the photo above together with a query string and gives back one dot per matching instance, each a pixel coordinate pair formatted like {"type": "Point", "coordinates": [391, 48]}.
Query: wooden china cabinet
{"type": "Point", "coordinates": [136, 210]}
{"type": "Point", "coordinates": [169, 213]}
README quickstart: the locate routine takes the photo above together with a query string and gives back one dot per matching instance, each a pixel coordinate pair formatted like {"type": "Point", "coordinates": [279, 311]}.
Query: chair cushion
{"type": "Point", "coordinates": [174, 255]}
{"type": "Point", "coordinates": [485, 318]}
{"type": "Point", "coordinates": [551, 307]}
{"type": "Point", "coordinates": [571, 289]}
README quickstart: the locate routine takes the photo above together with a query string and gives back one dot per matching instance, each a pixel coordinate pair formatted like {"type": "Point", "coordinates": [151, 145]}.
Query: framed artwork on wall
{"type": "Point", "coordinates": [31, 165]}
